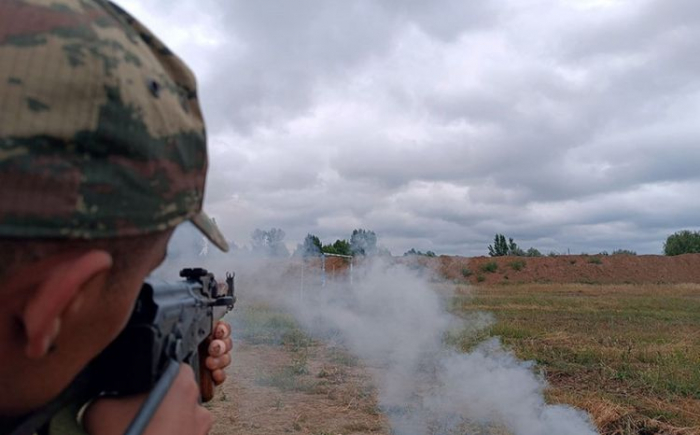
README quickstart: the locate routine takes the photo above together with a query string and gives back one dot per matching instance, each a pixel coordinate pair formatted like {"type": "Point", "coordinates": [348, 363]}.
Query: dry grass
{"type": "Point", "coordinates": [629, 354]}
{"type": "Point", "coordinates": [285, 382]}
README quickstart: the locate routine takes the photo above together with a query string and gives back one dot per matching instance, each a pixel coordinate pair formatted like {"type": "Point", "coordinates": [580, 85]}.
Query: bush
{"type": "Point", "coordinates": [480, 278]}
{"type": "Point", "coordinates": [517, 265]}
{"type": "Point", "coordinates": [682, 242]}
{"type": "Point", "coordinates": [532, 252]}
{"type": "Point", "coordinates": [430, 254]}
{"type": "Point", "coordinates": [466, 272]}
{"type": "Point", "coordinates": [595, 260]}
{"type": "Point", "coordinates": [623, 252]}
{"type": "Point", "coordinates": [489, 267]}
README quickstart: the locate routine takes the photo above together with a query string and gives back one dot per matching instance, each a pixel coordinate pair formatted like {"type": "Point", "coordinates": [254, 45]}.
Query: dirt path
{"type": "Point", "coordinates": [282, 389]}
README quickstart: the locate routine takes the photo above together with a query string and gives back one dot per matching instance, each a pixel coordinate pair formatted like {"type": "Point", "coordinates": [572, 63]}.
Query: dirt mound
{"type": "Point", "coordinates": [561, 269]}
{"type": "Point", "coordinates": [587, 269]}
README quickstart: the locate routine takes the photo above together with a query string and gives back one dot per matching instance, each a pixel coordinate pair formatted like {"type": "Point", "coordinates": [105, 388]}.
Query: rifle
{"type": "Point", "coordinates": [172, 323]}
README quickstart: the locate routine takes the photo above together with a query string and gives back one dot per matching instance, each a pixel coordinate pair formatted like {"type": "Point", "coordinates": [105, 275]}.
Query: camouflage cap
{"type": "Point", "coordinates": [101, 133]}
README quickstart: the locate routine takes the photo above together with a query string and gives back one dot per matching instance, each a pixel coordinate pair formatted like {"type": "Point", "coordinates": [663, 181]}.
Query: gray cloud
{"type": "Point", "coordinates": [565, 124]}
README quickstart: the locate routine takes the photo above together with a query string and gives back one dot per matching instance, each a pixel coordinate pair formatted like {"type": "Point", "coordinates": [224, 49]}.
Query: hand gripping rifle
{"type": "Point", "coordinates": [172, 323]}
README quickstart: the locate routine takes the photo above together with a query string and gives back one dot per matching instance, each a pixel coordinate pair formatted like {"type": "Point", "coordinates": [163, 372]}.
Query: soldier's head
{"type": "Point", "coordinates": [102, 154]}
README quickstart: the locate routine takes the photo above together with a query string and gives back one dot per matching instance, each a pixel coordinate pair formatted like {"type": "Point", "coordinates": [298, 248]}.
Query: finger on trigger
{"type": "Point", "coordinates": [223, 330]}
{"type": "Point", "coordinates": [217, 348]}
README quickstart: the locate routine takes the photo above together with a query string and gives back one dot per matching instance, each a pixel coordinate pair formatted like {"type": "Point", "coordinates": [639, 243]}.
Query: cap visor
{"type": "Point", "coordinates": [208, 227]}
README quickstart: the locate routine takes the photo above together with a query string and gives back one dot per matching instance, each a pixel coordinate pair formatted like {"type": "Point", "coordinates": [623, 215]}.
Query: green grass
{"type": "Point", "coordinates": [261, 324]}
{"type": "Point", "coordinates": [289, 378]}
{"type": "Point", "coordinates": [489, 267]}
{"type": "Point", "coordinates": [342, 357]}
{"type": "Point", "coordinates": [637, 347]}
{"type": "Point", "coordinates": [517, 265]}
{"type": "Point", "coordinates": [595, 260]}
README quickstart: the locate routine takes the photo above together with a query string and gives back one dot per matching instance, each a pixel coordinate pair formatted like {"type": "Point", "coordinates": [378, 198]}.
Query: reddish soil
{"type": "Point", "coordinates": [583, 269]}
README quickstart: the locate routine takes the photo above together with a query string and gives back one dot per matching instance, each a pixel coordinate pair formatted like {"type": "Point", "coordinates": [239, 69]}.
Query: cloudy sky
{"type": "Point", "coordinates": [570, 125]}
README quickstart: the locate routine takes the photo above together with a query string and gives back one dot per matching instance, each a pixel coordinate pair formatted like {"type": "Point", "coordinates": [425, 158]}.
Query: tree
{"type": "Point", "coordinates": [363, 242]}
{"type": "Point", "coordinates": [339, 247]}
{"type": "Point", "coordinates": [501, 248]}
{"type": "Point", "coordinates": [532, 252]}
{"type": "Point", "coordinates": [311, 247]}
{"type": "Point", "coordinates": [682, 242]}
{"type": "Point", "coordinates": [514, 249]}
{"type": "Point", "coordinates": [269, 243]}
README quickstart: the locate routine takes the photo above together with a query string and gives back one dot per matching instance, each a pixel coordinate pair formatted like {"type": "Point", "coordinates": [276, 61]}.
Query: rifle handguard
{"type": "Point", "coordinates": [206, 383]}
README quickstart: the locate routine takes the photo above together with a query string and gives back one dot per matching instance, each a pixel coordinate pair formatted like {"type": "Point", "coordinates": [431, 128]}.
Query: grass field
{"type": "Point", "coordinates": [629, 354]}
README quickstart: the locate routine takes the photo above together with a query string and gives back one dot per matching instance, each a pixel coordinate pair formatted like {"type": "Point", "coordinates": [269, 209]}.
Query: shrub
{"type": "Point", "coordinates": [466, 272]}
{"type": "Point", "coordinates": [517, 265]}
{"type": "Point", "coordinates": [430, 254]}
{"type": "Point", "coordinates": [595, 260]}
{"type": "Point", "coordinates": [480, 278]}
{"type": "Point", "coordinates": [532, 252]}
{"type": "Point", "coordinates": [623, 252]}
{"type": "Point", "coordinates": [489, 267]}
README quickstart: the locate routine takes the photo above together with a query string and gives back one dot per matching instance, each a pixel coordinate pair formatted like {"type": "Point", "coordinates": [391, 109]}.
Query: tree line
{"type": "Point", "coordinates": [270, 243]}
{"type": "Point", "coordinates": [361, 242]}
{"type": "Point", "coordinates": [681, 242]}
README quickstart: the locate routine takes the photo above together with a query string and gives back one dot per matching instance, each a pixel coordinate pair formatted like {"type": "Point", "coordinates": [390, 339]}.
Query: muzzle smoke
{"type": "Point", "coordinates": [397, 323]}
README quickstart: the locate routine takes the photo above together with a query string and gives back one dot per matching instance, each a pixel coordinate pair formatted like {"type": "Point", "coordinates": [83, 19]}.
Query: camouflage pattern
{"type": "Point", "coordinates": [101, 133]}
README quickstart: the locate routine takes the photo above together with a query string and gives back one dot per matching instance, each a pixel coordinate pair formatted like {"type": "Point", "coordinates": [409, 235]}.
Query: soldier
{"type": "Point", "coordinates": [102, 154]}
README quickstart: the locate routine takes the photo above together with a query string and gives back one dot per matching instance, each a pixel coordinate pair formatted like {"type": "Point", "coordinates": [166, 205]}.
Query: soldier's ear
{"type": "Point", "coordinates": [59, 292]}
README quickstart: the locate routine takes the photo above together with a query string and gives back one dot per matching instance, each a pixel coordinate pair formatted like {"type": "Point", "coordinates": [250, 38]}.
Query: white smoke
{"type": "Point", "coordinates": [396, 322]}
